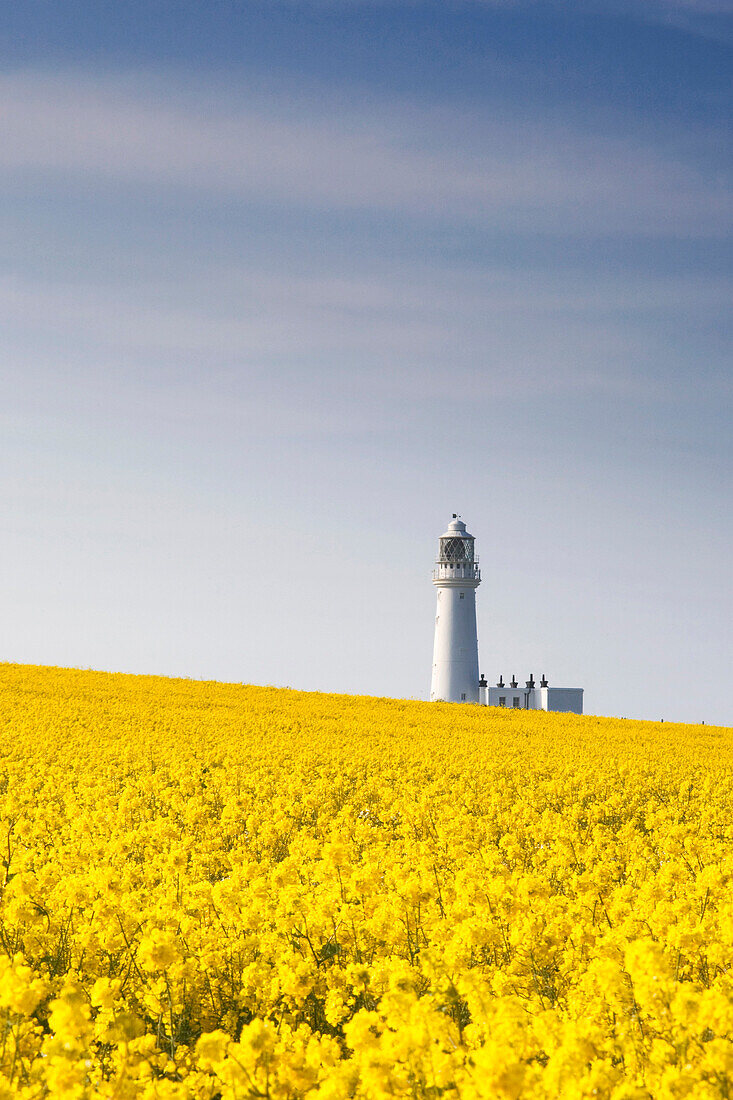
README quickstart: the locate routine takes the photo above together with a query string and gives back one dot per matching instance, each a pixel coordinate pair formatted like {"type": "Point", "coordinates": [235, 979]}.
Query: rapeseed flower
{"type": "Point", "coordinates": [213, 890]}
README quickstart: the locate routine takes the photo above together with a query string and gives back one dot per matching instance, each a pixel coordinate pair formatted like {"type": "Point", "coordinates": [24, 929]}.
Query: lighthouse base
{"type": "Point", "coordinates": [455, 676]}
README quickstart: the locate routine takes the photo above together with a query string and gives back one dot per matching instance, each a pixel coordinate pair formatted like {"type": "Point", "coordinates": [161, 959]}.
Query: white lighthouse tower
{"type": "Point", "coordinates": [455, 655]}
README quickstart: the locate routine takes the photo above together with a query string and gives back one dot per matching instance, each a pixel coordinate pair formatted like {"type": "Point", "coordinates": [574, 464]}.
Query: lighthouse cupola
{"type": "Point", "coordinates": [456, 577]}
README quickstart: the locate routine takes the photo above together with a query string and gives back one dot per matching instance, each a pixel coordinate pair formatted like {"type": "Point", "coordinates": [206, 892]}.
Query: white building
{"type": "Point", "coordinates": [532, 696]}
{"type": "Point", "coordinates": [455, 676]}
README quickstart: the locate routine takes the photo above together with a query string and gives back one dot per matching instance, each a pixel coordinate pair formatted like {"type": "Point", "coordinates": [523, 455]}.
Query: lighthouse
{"type": "Point", "coordinates": [455, 654]}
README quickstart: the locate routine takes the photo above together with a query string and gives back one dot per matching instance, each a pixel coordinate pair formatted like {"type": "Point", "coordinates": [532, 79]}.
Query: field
{"type": "Point", "coordinates": [212, 890]}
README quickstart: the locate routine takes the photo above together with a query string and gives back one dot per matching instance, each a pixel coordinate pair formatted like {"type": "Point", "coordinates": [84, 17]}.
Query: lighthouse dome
{"type": "Point", "coordinates": [456, 529]}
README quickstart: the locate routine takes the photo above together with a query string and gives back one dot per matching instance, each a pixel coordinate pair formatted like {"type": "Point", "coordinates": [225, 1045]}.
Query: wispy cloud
{"type": "Point", "coordinates": [329, 155]}
{"type": "Point", "coordinates": [642, 9]}
{"type": "Point", "coordinates": [721, 7]}
{"type": "Point", "coordinates": [706, 18]}
{"type": "Point", "coordinates": [269, 341]}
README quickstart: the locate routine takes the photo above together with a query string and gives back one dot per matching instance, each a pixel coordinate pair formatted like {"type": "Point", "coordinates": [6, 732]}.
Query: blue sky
{"type": "Point", "coordinates": [284, 285]}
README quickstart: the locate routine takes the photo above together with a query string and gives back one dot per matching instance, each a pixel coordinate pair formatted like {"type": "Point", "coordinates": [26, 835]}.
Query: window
{"type": "Point", "coordinates": [462, 594]}
{"type": "Point", "coordinates": [502, 700]}
{"type": "Point", "coordinates": [463, 697]}
{"type": "Point", "coordinates": [453, 550]}
{"type": "Point", "coordinates": [516, 701]}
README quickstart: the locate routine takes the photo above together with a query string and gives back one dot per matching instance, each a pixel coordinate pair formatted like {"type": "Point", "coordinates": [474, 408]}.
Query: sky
{"type": "Point", "coordinates": [284, 284]}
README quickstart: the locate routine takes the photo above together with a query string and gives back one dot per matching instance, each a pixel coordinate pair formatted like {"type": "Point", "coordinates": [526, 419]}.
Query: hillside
{"type": "Point", "coordinates": [221, 890]}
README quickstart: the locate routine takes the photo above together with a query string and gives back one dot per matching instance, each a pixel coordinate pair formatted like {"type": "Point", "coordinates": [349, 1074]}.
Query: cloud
{"type": "Point", "coordinates": [715, 7]}
{"type": "Point", "coordinates": [706, 18]}
{"type": "Point", "coordinates": [644, 10]}
{"type": "Point", "coordinates": [704, 7]}
{"type": "Point", "coordinates": [271, 346]}
{"type": "Point", "coordinates": [331, 155]}
{"type": "Point", "coordinates": [703, 18]}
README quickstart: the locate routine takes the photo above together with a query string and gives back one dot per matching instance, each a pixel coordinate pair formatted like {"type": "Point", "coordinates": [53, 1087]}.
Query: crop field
{"type": "Point", "coordinates": [221, 891]}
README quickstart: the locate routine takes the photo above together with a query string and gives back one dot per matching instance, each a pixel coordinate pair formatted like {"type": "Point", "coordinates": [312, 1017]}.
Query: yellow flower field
{"type": "Point", "coordinates": [211, 890]}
